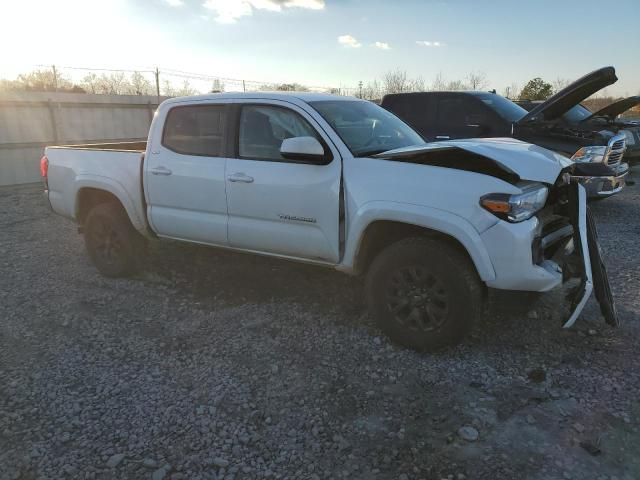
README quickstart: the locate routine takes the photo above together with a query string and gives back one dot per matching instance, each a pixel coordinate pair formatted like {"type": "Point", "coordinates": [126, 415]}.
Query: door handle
{"type": "Point", "coordinates": [160, 171]}
{"type": "Point", "coordinates": [442, 137]}
{"type": "Point", "coordinates": [240, 177]}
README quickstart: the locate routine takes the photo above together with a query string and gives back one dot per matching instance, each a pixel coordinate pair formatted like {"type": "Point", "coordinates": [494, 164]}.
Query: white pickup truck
{"type": "Point", "coordinates": [342, 183]}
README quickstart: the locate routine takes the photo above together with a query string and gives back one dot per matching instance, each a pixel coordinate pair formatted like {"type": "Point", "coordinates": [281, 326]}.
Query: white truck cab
{"type": "Point", "coordinates": [339, 182]}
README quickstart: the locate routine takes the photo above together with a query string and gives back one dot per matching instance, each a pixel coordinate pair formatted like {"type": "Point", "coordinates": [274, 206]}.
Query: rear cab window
{"type": "Point", "coordinates": [196, 130]}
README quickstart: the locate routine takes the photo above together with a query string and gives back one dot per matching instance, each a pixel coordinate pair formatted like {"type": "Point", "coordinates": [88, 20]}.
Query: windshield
{"type": "Point", "coordinates": [365, 127]}
{"type": "Point", "coordinates": [577, 114]}
{"type": "Point", "coordinates": [504, 107]}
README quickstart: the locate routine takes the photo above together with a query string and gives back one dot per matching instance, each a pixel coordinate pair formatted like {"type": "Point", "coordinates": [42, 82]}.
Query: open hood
{"type": "Point", "coordinates": [557, 105]}
{"type": "Point", "coordinates": [616, 108]}
{"type": "Point", "coordinates": [524, 160]}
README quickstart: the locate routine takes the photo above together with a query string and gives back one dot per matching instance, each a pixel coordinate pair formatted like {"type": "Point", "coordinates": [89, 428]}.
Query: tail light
{"type": "Point", "coordinates": [44, 166]}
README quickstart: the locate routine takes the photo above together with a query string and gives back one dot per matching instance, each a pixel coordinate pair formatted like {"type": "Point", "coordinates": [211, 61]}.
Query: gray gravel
{"type": "Point", "coordinates": [215, 365]}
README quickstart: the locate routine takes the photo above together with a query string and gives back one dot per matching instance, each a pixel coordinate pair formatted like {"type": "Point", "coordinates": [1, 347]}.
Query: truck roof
{"type": "Point", "coordinates": [304, 97]}
{"type": "Point", "coordinates": [435, 92]}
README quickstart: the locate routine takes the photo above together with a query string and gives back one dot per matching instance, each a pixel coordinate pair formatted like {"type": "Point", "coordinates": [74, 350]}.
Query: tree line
{"type": "Point", "coordinates": [394, 81]}
{"type": "Point", "coordinates": [119, 83]}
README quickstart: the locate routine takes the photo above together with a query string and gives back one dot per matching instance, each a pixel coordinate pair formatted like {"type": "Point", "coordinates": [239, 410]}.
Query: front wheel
{"type": "Point", "coordinates": [112, 243]}
{"type": "Point", "coordinates": [423, 293]}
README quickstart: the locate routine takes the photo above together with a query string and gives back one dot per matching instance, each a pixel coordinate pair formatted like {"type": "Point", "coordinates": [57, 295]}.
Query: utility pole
{"type": "Point", "coordinates": [157, 75]}
{"type": "Point", "coordinates": [55, 78]}
{"type": "Point", "coordinates": [244, 88]}
{"type": "Point", "coordinates": [360, 87]}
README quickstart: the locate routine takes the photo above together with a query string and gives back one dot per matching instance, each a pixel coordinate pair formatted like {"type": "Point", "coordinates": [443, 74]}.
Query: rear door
{"type": "Point", "coordinates": [185, 175]}
{"type": "Point", "coordinates": [278, 206]}
{"type": "Point", "coordinates": [416, 109]}
{"type": "Point", "coordinates": [462, 116]}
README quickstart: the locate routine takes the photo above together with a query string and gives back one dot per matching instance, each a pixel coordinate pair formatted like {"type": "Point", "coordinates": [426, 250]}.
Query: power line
{"type": "Point", "coordinates": [98, 69]}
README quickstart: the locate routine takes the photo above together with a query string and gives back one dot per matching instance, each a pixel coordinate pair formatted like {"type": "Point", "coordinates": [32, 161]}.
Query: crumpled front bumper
{"type": "Point", "coordinates": [602, 186]}
{"type": "Point", "coordinates": [557, 247]}
{"type": "Point", "coordinates": [581, 259]}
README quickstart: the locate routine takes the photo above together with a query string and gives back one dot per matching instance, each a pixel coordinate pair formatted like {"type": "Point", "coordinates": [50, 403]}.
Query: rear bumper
{"type": "Point", "coordinates": [605, 186]}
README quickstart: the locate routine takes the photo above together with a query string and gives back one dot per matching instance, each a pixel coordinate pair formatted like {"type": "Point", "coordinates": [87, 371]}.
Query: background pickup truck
{"type": "Point", "coordinates": [342, 183]}
{"type": "Point", "coordinates": [455, 115]}
{"type": "Point", "coordinates": [606, 119]}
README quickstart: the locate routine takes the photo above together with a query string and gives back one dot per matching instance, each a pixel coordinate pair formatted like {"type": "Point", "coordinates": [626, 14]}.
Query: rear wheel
{"type": "Point", "coordinates": [112, 243]}
{"type": "Point", "coordinates": [423, 293]}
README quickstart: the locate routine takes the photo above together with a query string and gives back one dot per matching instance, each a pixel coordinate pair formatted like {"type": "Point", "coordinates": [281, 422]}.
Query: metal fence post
{"type": "Point", "coordinates": [54, 123]}
{"type": "Point", "coordinates": [157, 75]}
{"type": "Point", "coordinates": [150, 111]}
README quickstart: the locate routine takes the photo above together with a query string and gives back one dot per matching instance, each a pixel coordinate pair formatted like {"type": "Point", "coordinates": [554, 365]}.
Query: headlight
{"type": "Point", "coordinates": [591, 154]}
{"type": "Point", "coordinates": [517, 207]}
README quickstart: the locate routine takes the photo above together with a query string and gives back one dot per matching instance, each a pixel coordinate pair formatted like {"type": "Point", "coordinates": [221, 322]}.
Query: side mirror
{"type": "Point", "coordinates": [304, 150]}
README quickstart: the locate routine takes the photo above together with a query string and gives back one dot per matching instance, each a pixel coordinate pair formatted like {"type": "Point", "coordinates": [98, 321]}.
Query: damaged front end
{"type": "Point", "coordinates": [568, 238]}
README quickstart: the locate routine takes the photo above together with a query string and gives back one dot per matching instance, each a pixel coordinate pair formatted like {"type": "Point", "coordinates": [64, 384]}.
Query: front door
{"type": "Point", "coordinates": [185, 175]}
{"type": "Point", "coordinates": [278, 206]}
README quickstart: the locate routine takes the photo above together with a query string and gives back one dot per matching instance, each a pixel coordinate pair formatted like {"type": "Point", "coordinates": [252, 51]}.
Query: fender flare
{"type": "Point", "coordinates": [421, 216]}
{"type": "Point", "coordinates": [117, 190]}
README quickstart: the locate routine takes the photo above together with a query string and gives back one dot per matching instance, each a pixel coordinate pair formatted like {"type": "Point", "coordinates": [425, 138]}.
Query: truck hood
{"type": "Point", "coordinates": [616, 108]}
{"type": "Point", "coordinates": [526, 161]}
{"type": "Point", "coordinates": [571, 95]}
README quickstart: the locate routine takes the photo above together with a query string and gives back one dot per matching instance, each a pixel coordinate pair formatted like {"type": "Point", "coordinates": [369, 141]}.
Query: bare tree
{"type": "Point", "coordinates": [91, 83]}
{"type": "Point", "coordinates": [456, 85]}
{"type": "Point", "coordinates": [439, 82]}
{"type": "Point", "coordinates": [139, 85]}
{"type": "Point", "coordinates": [113, 84]}
{"type": "Point", "coordinates": [477, 80]}
{"type": "Point", "coordinates": [395, 82]}
{"type": "Point", "coordinates": [217, 86]}
{"type": "Point", "coordinates": [559, 83]}
{"type": "Point", "coordinates": [418, 84]}
{"type": "Point", "coordinates": [45, 80]}
{"type": "Point", "coordinates": [170, 91]}
{"type": "Point", "coordinates": [511, 91]}
{"type": "Point", "coordinates": [291, 87]}
{"type": "Point", "coordinates": [372, 91]}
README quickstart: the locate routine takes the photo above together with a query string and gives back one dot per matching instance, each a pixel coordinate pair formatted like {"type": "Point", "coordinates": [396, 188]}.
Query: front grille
{"type": "Point", "coordinates": [615, 150]}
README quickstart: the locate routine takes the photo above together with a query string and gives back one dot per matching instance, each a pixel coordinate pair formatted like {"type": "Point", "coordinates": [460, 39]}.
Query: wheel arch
{"type": "Point", "coordinates": [380, 225]}
{"type": "Point", "coordinates": [90, 193]}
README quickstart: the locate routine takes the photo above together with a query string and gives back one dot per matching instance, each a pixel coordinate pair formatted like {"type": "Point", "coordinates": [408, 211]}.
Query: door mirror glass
{"type": "Point", "coordinates": [303, 149]}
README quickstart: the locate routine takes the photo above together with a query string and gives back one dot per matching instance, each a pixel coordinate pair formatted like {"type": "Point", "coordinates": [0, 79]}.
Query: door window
{"type": "Point", "coordinates": [263, 128]}
{"type": "Point", "coordinates": [195, 130]}
{"type": "Point", "coordinates": [464, 116]}
{"type": "Point", "coordinates": [460, 112]}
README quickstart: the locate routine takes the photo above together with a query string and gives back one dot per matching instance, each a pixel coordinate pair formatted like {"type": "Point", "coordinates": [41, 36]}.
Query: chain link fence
{"type": "Point", "coordinates": [156, 81]}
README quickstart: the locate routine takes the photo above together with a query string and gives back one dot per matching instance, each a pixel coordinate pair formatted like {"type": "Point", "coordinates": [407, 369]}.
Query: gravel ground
{"type": "Point", "coordinates": [215, 365]}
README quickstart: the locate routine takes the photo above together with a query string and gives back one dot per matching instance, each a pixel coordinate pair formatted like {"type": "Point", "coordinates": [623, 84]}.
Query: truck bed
{"type": "Point", "coordinates": [111, 167]}
{"type": "Point", "coordinates": [135, 146]}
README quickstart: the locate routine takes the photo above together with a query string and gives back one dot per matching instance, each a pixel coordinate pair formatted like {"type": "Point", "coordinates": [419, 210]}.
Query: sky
{"type": "Point", "coordinates": [332, 43]}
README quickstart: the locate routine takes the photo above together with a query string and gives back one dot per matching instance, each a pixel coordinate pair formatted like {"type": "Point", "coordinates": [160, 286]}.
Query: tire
{"type": "Point", "coordinates": [112, 243]}
{"type": "Point", "coordinates": [423, 293]}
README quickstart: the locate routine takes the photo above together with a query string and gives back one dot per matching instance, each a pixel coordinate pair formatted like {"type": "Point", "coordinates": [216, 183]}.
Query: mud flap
{"type": "Point", "coordinates": [594, 274]}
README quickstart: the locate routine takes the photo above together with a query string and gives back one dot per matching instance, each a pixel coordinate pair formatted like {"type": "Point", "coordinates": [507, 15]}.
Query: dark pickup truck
{"type": "Point", "coordinates": [597, 152]}
{"type": "Point", "coordinates": [607, 119]}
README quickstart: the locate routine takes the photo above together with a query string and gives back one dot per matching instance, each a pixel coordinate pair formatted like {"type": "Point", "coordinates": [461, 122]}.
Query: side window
{"type": "Point", "coordinates": [195, 130]}
{"type": "Point", "coordinates": [409, 108]}
{"type": "Point", "coordinates": [460, 112]}
{"type": "Point", "coordinates": [263, 128]}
